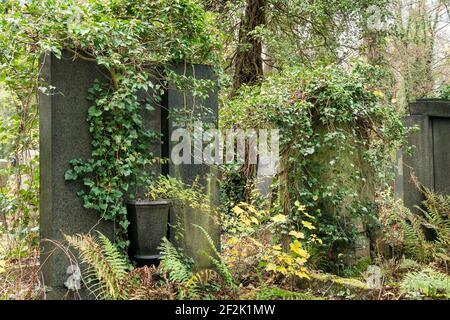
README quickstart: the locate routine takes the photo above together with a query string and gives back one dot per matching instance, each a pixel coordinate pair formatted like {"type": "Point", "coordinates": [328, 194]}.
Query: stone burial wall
{"type": "Point", "coordinates": [430, 159]}
{"type": "Point", "coordinates": [64, 135]}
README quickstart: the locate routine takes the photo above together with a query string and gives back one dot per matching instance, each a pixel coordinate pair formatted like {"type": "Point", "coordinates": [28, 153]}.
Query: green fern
{"type": "Point", "coordinates": [177, 266]}
{"type": "Point", "coordinates": [107, 267]}
{"type": "Point", "coordinates": [282, 294]}
{"type": "Point", "coordinates": [428, 282]}
{"type": "Point", "coordinates": [435, 216]}
{"type": "Point", "coordinates": [218, 262]}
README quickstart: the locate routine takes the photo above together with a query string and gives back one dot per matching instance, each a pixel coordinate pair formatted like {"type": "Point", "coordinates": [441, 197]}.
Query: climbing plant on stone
{"type": "Point", "coordinates": [135, 42]}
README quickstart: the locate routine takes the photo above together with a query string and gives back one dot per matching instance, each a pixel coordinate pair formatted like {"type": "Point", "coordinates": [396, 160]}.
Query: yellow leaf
{"type": "Point", "coordinates": [2, 266]}
{"type": "Point", "coordinates": [271, 267]}
{"type": "Point", "coordinates": [276, 247]}
{"type": "Point", "coordinates": [287, 259]}
{"type": "Point", "coordinates": [308, 215]}
{"type": "Point", "coordinates": [297, 234]}
{"type": "Point", "coordinates": [300, 261]}
{"type": "Point", "coordinates": [246, 221]}
{"type": "Point", "coordinates": [252, 209]}
{"type": "Point", "coordinates": [296, 247]}
{"type": "Point", "coordinates": [256, 242]}
{"type": "Point", "coordinates": [308, 225]}
{"type": "Point", "coordinates": [279, 218]}
{"type": "Point", "coordinates": [300, 206]}
{"type": "Point", "coordinates": [237, 210]}
{"type": "Point", "coordinates": [301, 274]}
{"type": "Point", "coordinates": [281, 269]}
{"type": "Point", "coordinates": [378, 93]}
{"type": "Point", "coordinates": [254, 220]}
{"type": "Point", "coordinates": [233, 241]}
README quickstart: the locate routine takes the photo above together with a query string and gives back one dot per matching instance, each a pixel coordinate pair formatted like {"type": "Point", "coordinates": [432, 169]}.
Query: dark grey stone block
{"type": "Point", "coordinates": [64, 135]}
{"type": "Point", "coordinates": [431, 107]}
{"type": "Point", "coordinates": [420, 163]}
{"type": "Point", "coordinates": [430, 161]}
{"type": "Point", "coordinates": [441, 151]}
{"type": "Point", "coordinates": [206, 110]}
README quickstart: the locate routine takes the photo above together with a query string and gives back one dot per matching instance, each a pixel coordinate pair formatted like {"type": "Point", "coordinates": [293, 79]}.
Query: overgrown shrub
{"type": "Point", "coordinates": [337, 134]}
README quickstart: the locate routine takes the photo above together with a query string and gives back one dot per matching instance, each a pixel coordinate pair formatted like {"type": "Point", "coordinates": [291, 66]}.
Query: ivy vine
{"type": "Point", "coordinates": [136, 41]}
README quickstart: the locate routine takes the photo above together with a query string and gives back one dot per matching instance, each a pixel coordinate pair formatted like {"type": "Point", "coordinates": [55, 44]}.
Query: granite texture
{"type": "Point", "coordinates": [194, 241]}
{"type": "Point", "coordinates": [430, 159]}
{"type": "Point", "coordinates": [64, 135]}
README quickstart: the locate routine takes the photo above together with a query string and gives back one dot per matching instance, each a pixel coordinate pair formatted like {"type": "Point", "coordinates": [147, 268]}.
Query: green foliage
{"type": "Point", "coordinates": [445, 93]}
{"type": "Point", "coordinates": [134, 41]}
{"type": "Point", "coordinates": [107, 267]}
{"type": "Point", "coordinates": [218, 262]}
{"type": "Point", "coordinates": [282, 294]}
{"type": "Point", "coordinates": [120, 150]}
{"type": "Point", "coordinates": [195, 284]}
{"type": "Point", "coordinates": [110, 276]}
{"type": "Point", "coordinates": [232, 187]}
{"type": "Point", "coordinates": [181, 194]}
{"type": "Point", "coordinates": [181, 271]}
{"type": "Point", "coordinates": [419, 243]}
{"type": "Point", "coordinates": [175, 263]}
{"type": "Point", "coordinates": [337, 134]}
{"type": "Point", "coordinates": [426, 283]}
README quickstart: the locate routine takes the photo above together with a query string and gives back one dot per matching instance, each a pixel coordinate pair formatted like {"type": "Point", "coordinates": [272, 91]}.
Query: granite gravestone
{"type": "Point", "coordinates": [64, 135]}
{"type": "Point", "coordinates": [430, 160]}
{"type": "Point", "coordinates": [182, 109]}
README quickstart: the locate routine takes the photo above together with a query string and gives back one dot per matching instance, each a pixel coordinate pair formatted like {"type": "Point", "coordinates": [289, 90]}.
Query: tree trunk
{"type": "Point", "coordinates": [248, 62]}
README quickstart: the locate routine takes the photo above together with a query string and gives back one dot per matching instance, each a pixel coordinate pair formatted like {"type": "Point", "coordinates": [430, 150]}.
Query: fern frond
{"type": "Point", "coordinates": [199, 282]}
{"type": "Point", "coordinates": [428, 282]}
{"type": "Point", "coordinates": [106, 265]}
{"type": "Point", "coordinates": [218, 261]}
{"type": "Point", "coordinates": [174, 263]}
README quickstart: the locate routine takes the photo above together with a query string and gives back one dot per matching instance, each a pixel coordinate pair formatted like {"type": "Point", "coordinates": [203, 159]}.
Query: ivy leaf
{"type": "Point", "coordinates": [70, 175]}
{"type": "Point", "coordinates": [94, 112]}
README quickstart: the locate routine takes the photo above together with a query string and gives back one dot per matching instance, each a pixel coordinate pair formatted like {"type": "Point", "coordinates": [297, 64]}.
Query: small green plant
{"type": "Point", "coordinates": [181, 194]}
{"type": "Point", "coordinates": [191, 283]}
{"type": "Point", "coordinates": [435, 218]}
{"type": "Point", "coordinates": [282, 294]}
{"type": "Point", "coordinates": [445, 92]}
{"type": "Point", "coordinates": [107, 267]}
{"type": "Point", "coordinates": [110, 276]}
{"type": "Point", "coordinates": [426, 283]}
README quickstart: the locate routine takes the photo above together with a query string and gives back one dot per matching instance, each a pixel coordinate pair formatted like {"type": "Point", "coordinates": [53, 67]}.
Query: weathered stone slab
{"type": "Point", "coordinates": [430, 160]}
{"type": "Point", "coordinates": [64, 135]}
{"type": "Point", "coordinates": [420, 162]}
{"type": "Point", "coordinates": [430, 107]}
{"type": "Point", "coordinates": [441, 150]}
{"type": "Point", "coordinates": [206, 111]}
